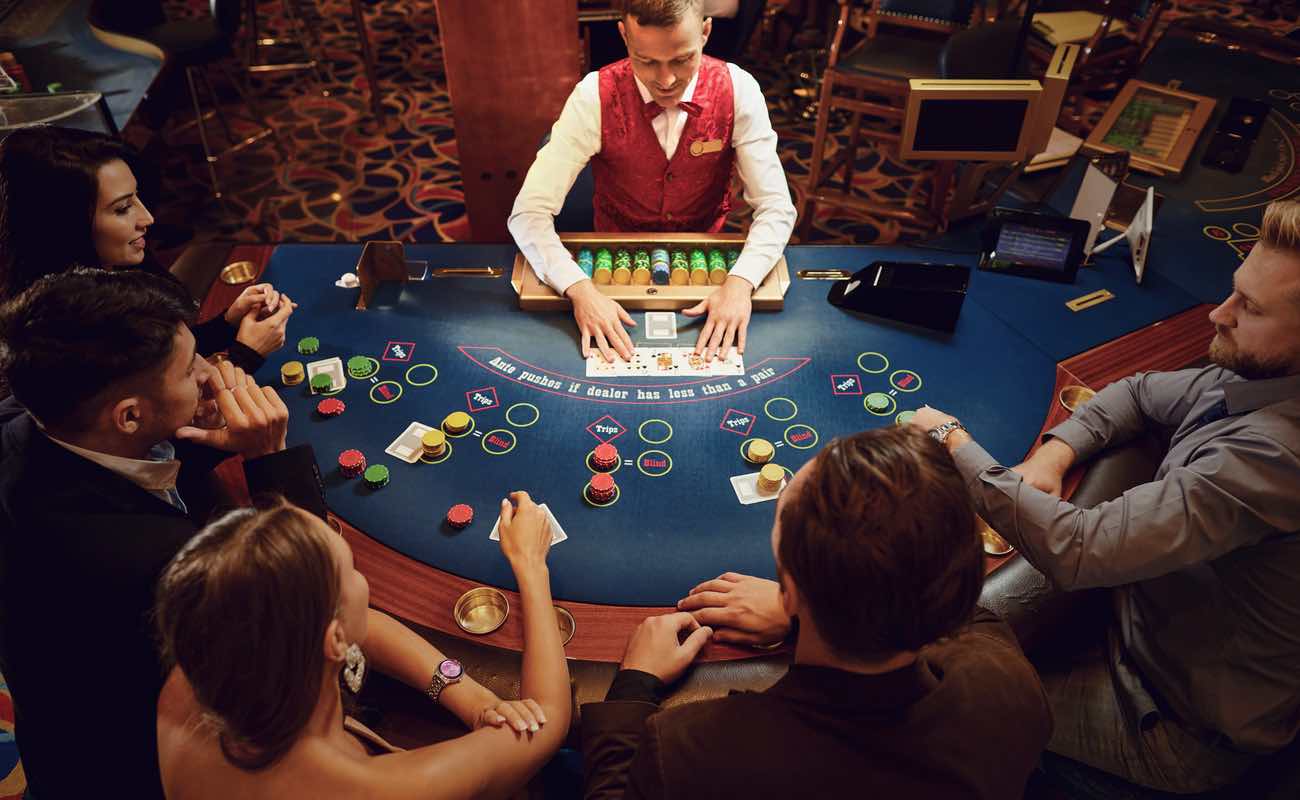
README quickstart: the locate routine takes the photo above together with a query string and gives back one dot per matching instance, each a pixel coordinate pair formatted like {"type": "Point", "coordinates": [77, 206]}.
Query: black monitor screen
{"type": "Point", "coordinates": [986, 126]}
{"type": "Point", "coordinates": [1029, 246]}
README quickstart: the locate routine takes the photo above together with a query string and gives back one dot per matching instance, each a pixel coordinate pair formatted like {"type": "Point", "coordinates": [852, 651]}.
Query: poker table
{"type": "Point", "coordinates": [449, 344]}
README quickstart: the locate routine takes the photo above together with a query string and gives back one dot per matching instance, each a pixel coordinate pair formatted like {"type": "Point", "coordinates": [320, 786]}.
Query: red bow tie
{"type": "Point", "coordinates": [653, 109]}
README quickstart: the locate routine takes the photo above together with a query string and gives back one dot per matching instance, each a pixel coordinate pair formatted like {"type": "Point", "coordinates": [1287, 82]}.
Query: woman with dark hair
{"type": "Point", "coordinates": [68, 198]}
{"type": "Point", "coordinates": [262, 615]}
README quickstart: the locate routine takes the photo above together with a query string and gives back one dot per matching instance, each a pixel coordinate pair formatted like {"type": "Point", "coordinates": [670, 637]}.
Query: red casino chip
{"type": "Point", "coordinates": [352, 463]}
{"type": "Point", "coordinates": [601, 489]}
{"type": "Point", "coordinates": [460, 516]}
{"type": "Point", "coordinates": [330, 407]}
{"type": "Point", "coordinates": [605, 456]}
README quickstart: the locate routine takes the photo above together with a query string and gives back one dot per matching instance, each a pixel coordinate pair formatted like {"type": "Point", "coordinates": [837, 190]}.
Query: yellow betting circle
{"type": "Point", "coordinates": [786, 436]}
{"type": "Point", "coordinates": [893, 405]}
{"type": "Point", "coordinates": [640, 431]}
{"type": "Point", "coordinates": [414, 367]}
{"type": "Point", "coordinates": [744, 452]}
{"type": "Point", "coordinates": [881, 356]}
{"type": "Point", "coordinates": [446, 454]}
{"type": "Point", "coordinates": [652, 474]}
{"type": "Point", "coordinates": [902, 372]}
{"type": "Point", "coordinates": [374, 388]}
{"type": "Point", "coordinates": [514, 440]}
{"type": "Point", "coordinates": [537, 414]}
{"type": "Point", "coordinates": [793, 413]}
{"type": "Point", "coordinates": [590, 455]}
{"type": "Point", "coordinates": [466, 432]}
{"type": "Point", "coordinates": [617, 494]}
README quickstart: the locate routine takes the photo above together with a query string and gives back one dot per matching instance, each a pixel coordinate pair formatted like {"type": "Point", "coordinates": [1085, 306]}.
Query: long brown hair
{"type": "Point", "coordinates": [242, 610]}
{"type": "Point", "coordinates": [881, 542]}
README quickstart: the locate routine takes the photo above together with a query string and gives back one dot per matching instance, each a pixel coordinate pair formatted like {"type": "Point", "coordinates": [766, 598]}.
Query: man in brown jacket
{"type": "Point", "coordinates": [900, 686]}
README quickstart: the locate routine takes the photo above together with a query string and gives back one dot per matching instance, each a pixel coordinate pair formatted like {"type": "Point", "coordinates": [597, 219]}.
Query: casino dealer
{"type": "Point", "coordinates": [655, 171]}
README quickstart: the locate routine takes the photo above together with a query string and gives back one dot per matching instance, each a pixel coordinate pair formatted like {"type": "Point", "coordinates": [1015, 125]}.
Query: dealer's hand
{"type": "Point", "coordinates": [744, 609]}
{"type": "Point", "coordinates": [655, 646]}
{"type": "Point", "coordinates": [728, 308]}
{"type": "Point", "coordinates": [600, 318]}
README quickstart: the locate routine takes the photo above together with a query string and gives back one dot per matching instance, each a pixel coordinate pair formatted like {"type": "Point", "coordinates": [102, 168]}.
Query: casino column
{"type": "Point", "coordinates": [510, 67]}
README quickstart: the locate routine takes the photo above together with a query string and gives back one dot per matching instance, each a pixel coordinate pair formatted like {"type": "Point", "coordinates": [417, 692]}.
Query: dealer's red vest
{"type": "Point", "coordinates": [637, 187]}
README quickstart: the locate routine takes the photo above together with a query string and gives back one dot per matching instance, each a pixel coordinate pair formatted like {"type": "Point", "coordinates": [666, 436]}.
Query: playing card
{"type": "Point", "coordinates": [557, 533]}
{"type": "Point", "coordinates": [746, 488]}
{"type": "Point", "coordinates": [408, 446]}
{"type": "Point", "coordinates": [665, 361]}
{"type": "Point", "coordinates": [660, 325]}
{"type": "Point", "coordinates": [332, 367]}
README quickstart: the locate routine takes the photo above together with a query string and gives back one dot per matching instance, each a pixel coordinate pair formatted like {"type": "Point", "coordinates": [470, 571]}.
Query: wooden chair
{"type": "Point", "coordinates": [1107, 60]}
{"type": "Point", "coordinates": [903, 40]}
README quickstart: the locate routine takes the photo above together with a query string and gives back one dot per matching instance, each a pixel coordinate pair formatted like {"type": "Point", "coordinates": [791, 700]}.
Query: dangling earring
{"type": "Point", "coordinates": [355, 670]}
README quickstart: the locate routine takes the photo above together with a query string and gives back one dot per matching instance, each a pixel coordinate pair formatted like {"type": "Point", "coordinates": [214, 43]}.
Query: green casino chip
{"type": "Point", "coordinates": [361, 366]}
{"type": "Point", "coordinates": [321, 383]}
{"type": "Point", "coordinates": [376, 476]}
{"type": "Point", "coordinates": [308, 345]}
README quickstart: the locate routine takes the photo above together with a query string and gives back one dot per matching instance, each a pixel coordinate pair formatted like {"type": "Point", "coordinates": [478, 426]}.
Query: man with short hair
{"type": "Point", "coordinates": [663, 130]}
{"type": "Point", "coordinates": [95, 499]}
{"type": "Point", "coordinates": [895, 690]}
{"type": "Point", "coordinates": [1201, 671]}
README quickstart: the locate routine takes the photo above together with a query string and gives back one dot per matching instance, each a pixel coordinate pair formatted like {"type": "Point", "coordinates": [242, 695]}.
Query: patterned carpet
{"type": "Point", "coordinates": [343, 179]}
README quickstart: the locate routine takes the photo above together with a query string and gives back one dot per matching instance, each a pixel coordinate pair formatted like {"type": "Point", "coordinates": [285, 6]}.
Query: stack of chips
{"type": "Point", "coordinates": [460, 516]}
{"type": "Point", "coordinates": [604, 457]}
{"type": "Point", "coordinates": [602, 490]}
{"type": "Point", "coordinates": [699, 268]}
{"type": "Point", "coordinates": [759, 451]}
{"type": "Point", "coordinates": [361, 367]}
{"type": "Point", "coordinates": [330, 407]}
{"type": "Point", "coordinates": [659, 266]}
{"type": "Point", "coordinates": [622, 268]}
{"type": "Point", "coordinates": [352, 463]}
{"type": "Point", "coordinates": [732, 255]}
{"type": "Point", "coordinates": [308, 345]}
{"type": "Point", "coordinates": [376, 476]}
{"type": "Point", "coordinates": [456, 423]}
{"type": "Point", "coordinates": [604, 266]}
{"type": "Point", "coordinates": [435, 443]}
{"type": "Point", "coordinates": [717, 267]}
{"type": "Point", "coordinates": [769, 478]}
{"type": "Point", "coordinates": [586, 262]}
{"type": "Point", "coordinates": [680, 264]}
{"type": "Point", "coordinates": [321, 383]}
{"type": "Point", "coordinates": [641, 268]}
{"type": "Point", "coordinates": [291, 374]}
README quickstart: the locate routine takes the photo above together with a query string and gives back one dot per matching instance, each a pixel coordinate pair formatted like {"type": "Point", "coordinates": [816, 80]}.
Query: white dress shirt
{"type": "Point", "coordinates": [575, 139]}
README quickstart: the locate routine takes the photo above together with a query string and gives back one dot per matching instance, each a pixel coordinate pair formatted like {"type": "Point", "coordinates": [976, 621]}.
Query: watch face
{"type": "Point", "coordinates": [451, 669]}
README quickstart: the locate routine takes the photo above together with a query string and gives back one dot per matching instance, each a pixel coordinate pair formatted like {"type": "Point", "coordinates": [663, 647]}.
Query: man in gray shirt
{"type": "Point", "coordinates": [1201, 672]}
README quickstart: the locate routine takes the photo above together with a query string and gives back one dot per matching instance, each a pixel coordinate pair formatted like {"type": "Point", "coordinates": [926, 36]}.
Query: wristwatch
{"type": "Point", "coordinates": [940, 434]}
{"type": "Point", "coordinates": [448, 672]}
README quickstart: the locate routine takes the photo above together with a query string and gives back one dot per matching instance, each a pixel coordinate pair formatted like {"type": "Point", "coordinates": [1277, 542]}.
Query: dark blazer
{"type": "Point", "coordinates": [968, 719]}
{"type": "Point", "coordinates": [81, 549]}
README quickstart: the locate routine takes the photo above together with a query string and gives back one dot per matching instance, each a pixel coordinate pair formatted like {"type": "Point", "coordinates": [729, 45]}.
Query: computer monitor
{"type": "Point", "coordinates": [970, 120]}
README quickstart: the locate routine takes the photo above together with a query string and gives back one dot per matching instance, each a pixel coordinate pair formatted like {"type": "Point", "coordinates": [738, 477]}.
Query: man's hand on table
{"type": "Point", "coordinates": [600, 318]}
{"type": "Point", "coordinates": [656, 646]}
{"type": "Point", "coordinates": [742, 609]}
{"type": "Point", "coordinates": [1045, 469]}
{"type": "Point", "coordinates": [927, 419]}
{"type": "Point", "coordinates": [728, 307]}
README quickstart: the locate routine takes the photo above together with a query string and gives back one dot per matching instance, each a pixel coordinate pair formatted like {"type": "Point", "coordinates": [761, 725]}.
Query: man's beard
{"type": "Point", "coordinates": [1230, 357]}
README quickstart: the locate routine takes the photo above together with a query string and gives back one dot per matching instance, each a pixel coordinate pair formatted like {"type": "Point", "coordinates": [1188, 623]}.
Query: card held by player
{"type": "Point", "coordinates": [663, 130]}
